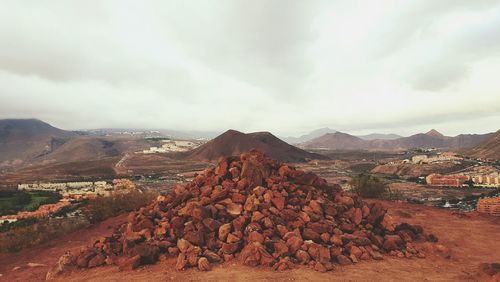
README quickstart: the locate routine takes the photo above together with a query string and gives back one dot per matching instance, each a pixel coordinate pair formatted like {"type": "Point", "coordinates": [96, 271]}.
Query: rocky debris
{"type": "Point", "coordinates": [258, 211]}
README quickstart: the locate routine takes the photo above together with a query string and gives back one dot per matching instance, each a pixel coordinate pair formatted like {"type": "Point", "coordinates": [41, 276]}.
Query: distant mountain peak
{"type": "Point", "coordinates": [434, 133]}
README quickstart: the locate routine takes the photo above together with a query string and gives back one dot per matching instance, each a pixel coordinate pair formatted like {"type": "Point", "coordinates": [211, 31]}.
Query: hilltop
{"type": "Point", "coordinates": [23, 140]}
{"type": "Point", "coordinates": [233, 142]}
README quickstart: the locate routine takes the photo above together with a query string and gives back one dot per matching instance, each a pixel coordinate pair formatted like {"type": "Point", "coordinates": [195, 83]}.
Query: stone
{"type": "Point", "coordinates": [388, 223]}
{"type": "Point", "coordinates": [343, 260]}
{"type": "Point", "coordinates": [224, 230]}
{"type": "Point", "coordinates": [294, 243]}
{"type": "Point", "coordinates": [392, 242]}
{"type": "Point", "coordinates": [181, 262]}
{"type": "Point", "coordinates": [279, 202]}
{"type": "Point", "coordinates": [302, 256]}
{"type": "Point", "coordinates": [98, 260]}
{"type": "Point", "coordinates": [183, 245]}
{"type": "Point", "coordinates": [234, 209]}
{"type": "Point", "coordinates": [230, 248]}
{"type": "Point", "coordinates": [212, 256]}
{"type": "Point", "coordinates": [231, 238]}
{"type": "Point", "coordinates": [129, 263]}
{"type": "Point", "coordinates": [203, 264]}
{"type": "Point", "coordinates": [310, 234]}
{"type": "Point", "coordinates": [318, 266]}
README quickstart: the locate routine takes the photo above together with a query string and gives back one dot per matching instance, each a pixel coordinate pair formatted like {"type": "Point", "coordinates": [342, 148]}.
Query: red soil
{"type": "Point", "coordinates": [468, 241]}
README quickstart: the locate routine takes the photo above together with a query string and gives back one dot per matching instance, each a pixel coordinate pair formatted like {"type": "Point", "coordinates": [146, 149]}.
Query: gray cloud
{"type": "Point", "coordinates": [284, 66]}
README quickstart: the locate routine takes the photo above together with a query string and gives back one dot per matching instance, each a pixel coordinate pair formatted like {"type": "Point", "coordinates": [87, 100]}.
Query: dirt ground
{"type": "Point", "coordinates": [471, 239]}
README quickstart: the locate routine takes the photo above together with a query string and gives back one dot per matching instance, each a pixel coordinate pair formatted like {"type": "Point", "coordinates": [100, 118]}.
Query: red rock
{"type": "Point", "coordinates": [238, 198]}
{"type": "Point", "coordinates": [319, 267]}
{"type": "Point", "coordinates": [278, 202]}
{"type": "Point", "coordinates": [280, 249]}
{"type": "Point", "coordinates": [82, 260]}
{"type": "Point", "coordinates": [230, 248]}
{"type": "Point", "coordinates": [181, 262]}
{"type": "Point", "coordinates": [294, 243]}
{"type": "Point", "coordinates": [203, 264]}
{"type": "Point", "coordinates": [195, 237]}
{"type": "Point", "coordinates": [343, 260]}
{"type": "Point", "coordinates": [211, 224]}
{"type": "Point", "coordinates": [256, 237]}
{"type": "Point", "coordinates": [388, 223]}
{"type": "Point", "coordinates": [231, 238]}
{"type": "Point", "coordinates": [302, 256]}
{"type": "Point", "coordinates": [224, 230]}
{"type": "Point", "coordinates": [98, 260]}
{"type": "Point", "coordinates": [129, 263]}
{"type": "Point", "coordinates": [310, 234]}
{"type": "Point", "coordinates": [392, 242]}
{"type": "Point", "coordinates": [212, 256]}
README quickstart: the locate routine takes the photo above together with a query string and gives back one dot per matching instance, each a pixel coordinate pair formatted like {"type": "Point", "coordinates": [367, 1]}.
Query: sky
{"type": "Point", "coordinates": [283, 66]}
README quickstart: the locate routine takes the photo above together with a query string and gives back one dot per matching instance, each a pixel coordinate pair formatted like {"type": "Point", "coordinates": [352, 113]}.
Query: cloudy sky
{"type": "Point", "coordinates": [283, 66]}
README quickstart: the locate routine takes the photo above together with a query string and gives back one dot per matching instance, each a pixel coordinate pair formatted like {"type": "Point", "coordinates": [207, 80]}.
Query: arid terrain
{"type": "Point", "coordinates": [468, 240]}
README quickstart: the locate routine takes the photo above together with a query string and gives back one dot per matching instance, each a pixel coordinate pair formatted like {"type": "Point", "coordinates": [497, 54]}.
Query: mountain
{"type": "Point", "coordinates": [431, 139]}
{"type": "Point", "coordinates": [88, 148]}
{"type": "Point", "coordinates": [338, 141]}
{"type": "Point", "coordinates": [379, 136]}
{"type": "Point", "coordinates": [489, 149]}
{"type": "Point", "coordinates": [311, 135]}
{"type": "Point", "coordinates": [233, 142]}
{"type": "Point", "coordinates": [22, 140]}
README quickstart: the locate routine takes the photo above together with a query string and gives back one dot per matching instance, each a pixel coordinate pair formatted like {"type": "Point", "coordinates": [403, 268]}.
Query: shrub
{"type": "Point", "coordinates": [368, 186]}
{"type": "Point", "coordinates": [22, 237]}
{"type": "Point", "coordinates": [117, 203]}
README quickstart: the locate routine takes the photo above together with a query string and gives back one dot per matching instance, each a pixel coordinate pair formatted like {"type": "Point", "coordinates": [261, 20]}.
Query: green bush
{"type": "Point", "coordinates": [368, 186]}
{"type": "Point", "coordinates": [102, 208]}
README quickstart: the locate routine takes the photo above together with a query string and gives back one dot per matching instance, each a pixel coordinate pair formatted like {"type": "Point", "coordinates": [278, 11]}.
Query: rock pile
{"type": "Point", "coordinates": [259, 211]}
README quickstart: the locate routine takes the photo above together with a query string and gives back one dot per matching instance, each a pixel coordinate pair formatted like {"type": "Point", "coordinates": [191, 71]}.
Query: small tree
{"type": "Point", "coordinates": [368, 186]}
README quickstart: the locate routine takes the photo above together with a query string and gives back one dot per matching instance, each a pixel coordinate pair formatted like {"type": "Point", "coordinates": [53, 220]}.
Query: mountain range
{"type": "Point", "coordinates": [431, 139]}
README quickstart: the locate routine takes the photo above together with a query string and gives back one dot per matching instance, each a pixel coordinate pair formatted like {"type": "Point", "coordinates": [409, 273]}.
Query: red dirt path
{"type": "Point", "coordinates": [471, 240]}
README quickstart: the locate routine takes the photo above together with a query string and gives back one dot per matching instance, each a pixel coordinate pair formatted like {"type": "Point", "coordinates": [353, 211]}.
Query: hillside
{"type": "Point", "coordinates": [233, 142]}
{"type": "Point", "coordinates": [22, 140]}
{"type": "Point", "coordinates": [489, 149]}
{"type": "Point", "coordinates": [338, 141]}
{"type": "Point", "coordinates": [88, 148]}
{"type": "Point", "coordinates": [460, 257]}
{"type": "Point", "coordinates": [434, 139]}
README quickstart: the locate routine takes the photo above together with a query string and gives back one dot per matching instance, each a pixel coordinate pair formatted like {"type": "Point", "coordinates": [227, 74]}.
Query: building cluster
{"type": "Point", "coordinates": [489, 206]}
{"type": "Point", "coordinates": [443, 157]}
{"type": "Point", "coordinates": [460, 180]}
{"type": "Point", "coordinates": [173, 146]}
{"type": "Point", "coordinates": [71, 190]}
{"type": "Point", "coordinates": [42, 212]}
{"type": "Point", "coordinates": [435, 179]}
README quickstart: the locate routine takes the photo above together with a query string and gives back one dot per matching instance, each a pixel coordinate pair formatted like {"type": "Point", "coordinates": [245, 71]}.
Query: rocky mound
{"type": "Point", "coordinates": [256, 210]}
{"type": "Point", "coordinates": [232, 143]}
